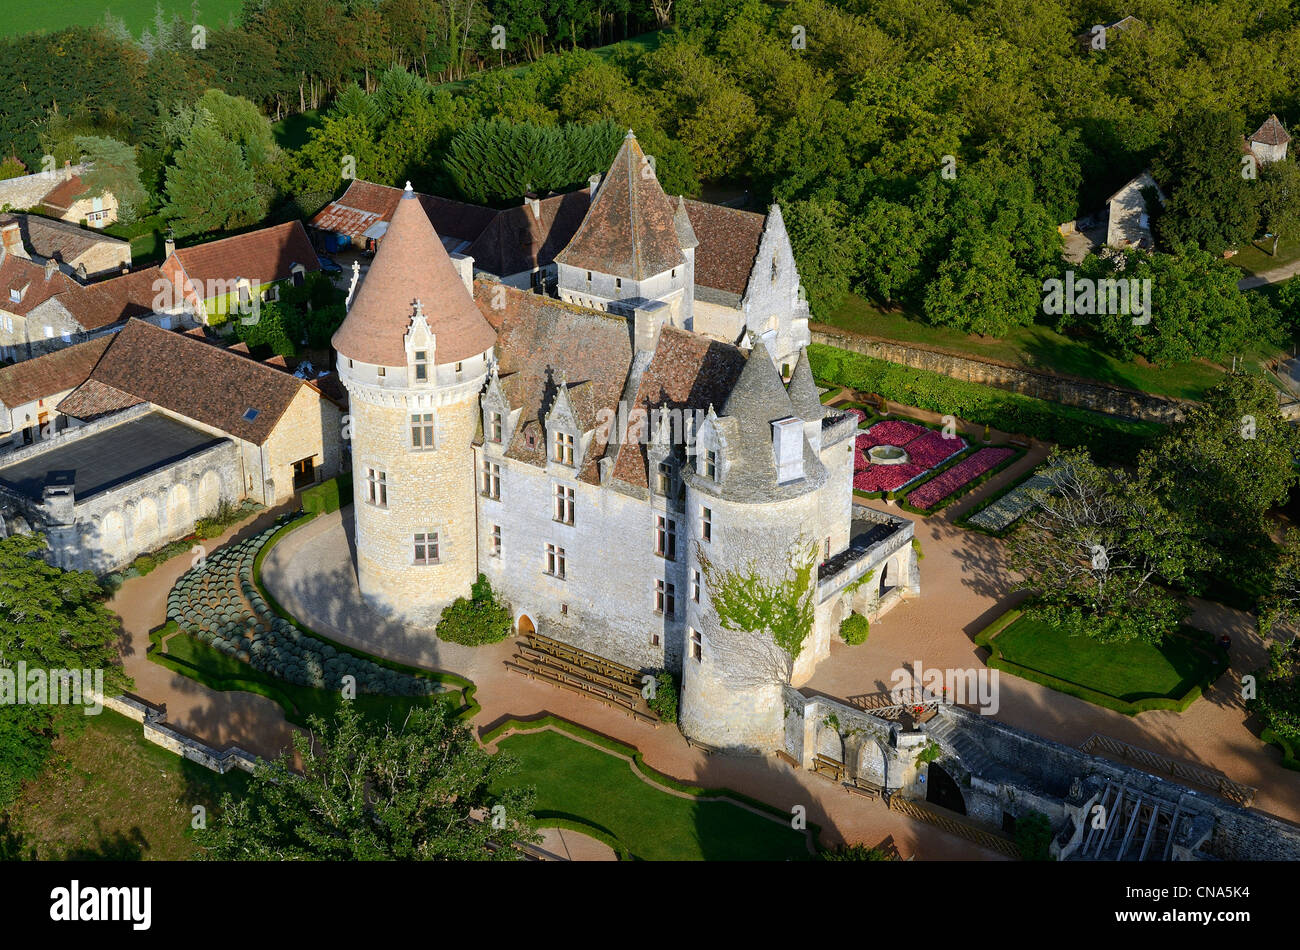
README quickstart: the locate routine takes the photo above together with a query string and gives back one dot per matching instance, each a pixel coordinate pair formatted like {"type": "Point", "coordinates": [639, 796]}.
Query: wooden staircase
{"type": "Point", "coordinates": [568, 667]}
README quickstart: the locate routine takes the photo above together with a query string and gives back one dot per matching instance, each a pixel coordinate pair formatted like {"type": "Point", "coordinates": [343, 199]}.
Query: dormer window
{"type": "Point", "coordinates": [495, 427]}
{"type": "Point", "coordinates": [421, 365]}
{"type": "Point", "coordinates": [711, 464]}
{"type": "Point", "coordinates": [664, 479]}
{"type": "Point", "coordinates": [15, 295]}
{"type": "Point", "coordinates": [562, 448]}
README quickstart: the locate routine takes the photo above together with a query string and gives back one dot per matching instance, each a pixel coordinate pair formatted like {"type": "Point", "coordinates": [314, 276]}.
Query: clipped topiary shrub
{"type": "Point", "coordinates": [854, 629]}
{"type": "Point", "coordinates": [479, 619]}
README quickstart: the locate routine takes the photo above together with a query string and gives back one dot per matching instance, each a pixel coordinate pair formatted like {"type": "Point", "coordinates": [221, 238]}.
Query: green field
{"type": "Point", "coordinates": [108, 794]}
{"type": "Point", "coordinates": [18, 18]}
{"type": "Point", "coordinates": [1129, 672]}
{"type": "Point", "coordinates": [588, 786]}
{"type": "Point", "coordinates": [1035, 347]}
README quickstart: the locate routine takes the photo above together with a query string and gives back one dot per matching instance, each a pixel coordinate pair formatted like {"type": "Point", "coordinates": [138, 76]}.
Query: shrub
{"type": "Point", "coordinates": [1034, 836]}
{"type": "Point", "coordinates": [854, 629]}
{"type": "Point", "coordinates": [857, 852]}
{"type": "Point", "coordinates": [664, 700]}
{"type": "Point", "coordinates": [481, 618]}
{"type": "Point", "coordinates": [144, 564]}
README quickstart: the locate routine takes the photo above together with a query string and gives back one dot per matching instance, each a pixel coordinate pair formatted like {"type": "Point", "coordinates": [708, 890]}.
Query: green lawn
{"type": "Point", "coordinates": [1256, 259]}
{"type": "Point", "coordinates": [1128, 672]}
{"type": "Point", "coordinates": [18, 18]}
{"type": "Point", "coordinates": [579, 783]}
{"type": "Point", "coordinates": [1035, 347]}
{"type": "Point", "coordinates": [106, 793]}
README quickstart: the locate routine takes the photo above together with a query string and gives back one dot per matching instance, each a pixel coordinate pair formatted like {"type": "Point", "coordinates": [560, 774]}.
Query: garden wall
{"type": "Point", "coordinates": [1067, 390]}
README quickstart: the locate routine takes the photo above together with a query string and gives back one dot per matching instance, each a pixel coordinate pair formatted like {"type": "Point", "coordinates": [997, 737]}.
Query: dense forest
{"type": "Point", "coordinates": [924, 151]}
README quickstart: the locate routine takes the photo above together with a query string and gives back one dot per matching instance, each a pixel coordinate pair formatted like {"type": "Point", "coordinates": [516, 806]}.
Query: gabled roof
{"type": "Point", "coordinates": [191, 378]}
{"type": "Point", "coordinates": [50, 374]}
{"type": "Point", "coordinates": [411, 264]}
{"type": "Point", "coordinates": [106, 302]}
{"type": "Point", "coordinates": [728, 244]}
{"type": "Point", "coordinates": [366, 204]}
{"type": "Point", "coordinates": [61, 197]}
{"type": "Point", "coordinates": [261, 256]}
{"type": "Point", "coordinates": [518, 240]}
{"type": "Point", "coordinates": [28, 278]}
{"type": "Point", "coordinates": [687, 371]}
{"type": "Point", "coordinates": [1271, 132]}
{"type": "Point", "coordinates": [629, 230]}
{"type": "Point", "coordinates": [61, 240]}
{"type": "Point", "coordinates": [543, 340]}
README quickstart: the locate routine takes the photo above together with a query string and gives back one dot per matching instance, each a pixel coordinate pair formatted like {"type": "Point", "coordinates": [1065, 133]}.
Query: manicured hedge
{"type": "Point", "coordinates": [1109, 438]}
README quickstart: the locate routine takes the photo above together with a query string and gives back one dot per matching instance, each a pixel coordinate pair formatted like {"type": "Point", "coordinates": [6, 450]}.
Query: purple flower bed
{"type": "Point", "coordinates": [932, 448]}
{"type": "Point", "coordinates": [944, 484]}
{"type": "Point", "coordinates": [886, 477]}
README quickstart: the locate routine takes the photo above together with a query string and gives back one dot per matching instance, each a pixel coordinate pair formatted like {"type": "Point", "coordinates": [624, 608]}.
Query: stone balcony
{"type": "Point", "coordinates": [875, 537]}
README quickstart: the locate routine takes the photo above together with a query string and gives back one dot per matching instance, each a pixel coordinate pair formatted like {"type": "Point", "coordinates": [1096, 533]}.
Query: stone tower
{"type": "Point", "coordinates": [753, 483]}
{"type": "Point", "coordinates": [414, 352]}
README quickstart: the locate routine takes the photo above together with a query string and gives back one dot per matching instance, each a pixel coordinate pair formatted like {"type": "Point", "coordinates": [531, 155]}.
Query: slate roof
{"type": "Point", "coordinates": [802, 390]}
{"type": "Point", "coordinates": [48, 375]}
{"type": "Point", "coordinates": [687, 371]}
{"type": "Point", "coordinates": [187, 376]}
{"type": "Point", "coordinates": [542, 340]}
{"type": "Point", "coordinates": [261, 256]}
{"type": "Point", "coordinates": [1271, 132]}
{"type": "Point", "coordinates": [629, 230]}
{"type": "Point", "coordinates": [366, 204]}
{"type": "Point", "coordinates": [728, 244]}
{"type": "Point", "coordinates": [518, 240]}
{"type": "Point", "coordinates": [758, 399]}
{"type": "Point", "coordinates": [411, 264]}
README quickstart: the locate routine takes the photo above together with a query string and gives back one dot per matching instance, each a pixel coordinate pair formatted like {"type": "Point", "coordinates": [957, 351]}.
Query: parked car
{"type": "Point", "coordinates": [328, 264]}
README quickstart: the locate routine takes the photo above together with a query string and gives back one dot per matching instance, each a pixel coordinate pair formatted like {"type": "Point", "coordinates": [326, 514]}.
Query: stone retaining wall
{"type": "Point", "coordinates": [1068, 390]}
{"type": "Point", "coordinates": [153, 717]}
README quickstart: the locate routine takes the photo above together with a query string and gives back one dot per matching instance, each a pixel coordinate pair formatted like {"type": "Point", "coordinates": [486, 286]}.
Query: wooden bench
{"type": "Point", "coordinates": [830, 768]}
{"type": "Point", "coordinates": [866, 789]}
{"type": "Point", "coordinates": [787, 758]}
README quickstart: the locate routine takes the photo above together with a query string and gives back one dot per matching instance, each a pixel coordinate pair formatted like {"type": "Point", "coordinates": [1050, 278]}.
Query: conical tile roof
{"type": "Point", "coordinates": [630, 229]}
{"type": "Point", "coordinates": [411, 264]}
{"type": "Point", "coordinates": [803, 390]}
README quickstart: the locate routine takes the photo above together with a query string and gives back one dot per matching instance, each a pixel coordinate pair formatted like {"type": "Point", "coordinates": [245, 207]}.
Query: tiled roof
{"type": "Point", "coordinates": [194, 379]}
{"type": "Point", "coordinates": [518, 241]}
{"type": "Point", "coordinates": [28, 278]}
{"type": "Point", "coordinates": [51, 374]}
{"type": "Point", "coordinates": [729, 240]}
{"type": "Point", "coordinates": [61, 240]}
{"type": "Point", "coordinates": [543, 340]}
{"type": "Point", "coordinates": [61, 196]}
{"type": "Point", "coordinates": [260, 256]}
{"type": "Point", "coordinates": [366, 204]}
{"type": "Point", "coordinates": [1271, 133]}
{"type": "Point", "coordinates": [629, 230]}
{"type": "Point", "coordinates": [106, 302]}
{"type": "Point", "coordinates": [93, 399]}
{"type": "Point", "coordinates": [411, 264]}
{"type": "Point", "coordinates": [687, 371]}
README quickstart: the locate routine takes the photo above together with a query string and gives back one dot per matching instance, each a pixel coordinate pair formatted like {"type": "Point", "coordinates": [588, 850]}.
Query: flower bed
{"type": "Point", "coordinates": [925, 449]}
{"type": "Point", "coordinates": [964, 472]}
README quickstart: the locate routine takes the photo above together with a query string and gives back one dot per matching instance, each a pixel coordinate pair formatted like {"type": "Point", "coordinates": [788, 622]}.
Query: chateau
{"type": "Point", "coordinates": [602, 453]}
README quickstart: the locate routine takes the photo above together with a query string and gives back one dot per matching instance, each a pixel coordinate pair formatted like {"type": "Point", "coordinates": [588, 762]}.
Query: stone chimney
{"type": "Point", "coordinates": [81, 273]}
{"type": "Point", "coordinates": [12, 238]}
{"type": "Point", "coordinates": [647, 320]}
{"type": "Point", "coordinates": [787, 449]}
{"type": "Point", "coordinates": [51, 267]}
{"type": "Point", "coordinates": [535, 206]}
{"type": "Point", "coordinates": [593, 183]}
{"type": "Point", "coordinates": [464, 265]}
{"type": "Point", "coordinates": [169, 244]}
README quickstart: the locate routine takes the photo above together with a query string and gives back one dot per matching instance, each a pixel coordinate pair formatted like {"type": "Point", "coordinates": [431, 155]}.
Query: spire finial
{"type": "Point", "coordinates": [410, 192]}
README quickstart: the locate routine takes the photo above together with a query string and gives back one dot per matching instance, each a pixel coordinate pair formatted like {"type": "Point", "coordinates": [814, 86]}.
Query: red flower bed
{"type": "Point", "coordinates": [862, 416]}
{"type": "Point", "coordinates": [943, 485]}
{"type": "Point", "coordinates": [890, 432]}
{"type": "Point", "coordinates": [932, 448]}
{"type": "Point", "coordinates": [886, 477]}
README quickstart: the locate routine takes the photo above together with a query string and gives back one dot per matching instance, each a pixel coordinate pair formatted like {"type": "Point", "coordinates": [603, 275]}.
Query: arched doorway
{"type": "Point", "coordinates": [942, 790]}
{"type": "Point", "coordinates": [884, 579]}
{"type": "Point", "coordinates": [525, 626]}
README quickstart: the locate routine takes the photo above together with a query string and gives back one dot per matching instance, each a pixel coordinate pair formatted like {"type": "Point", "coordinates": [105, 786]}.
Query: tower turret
{"type": "Point", "coordinates": [414, 352]}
